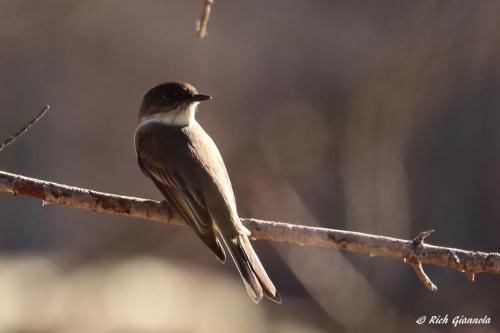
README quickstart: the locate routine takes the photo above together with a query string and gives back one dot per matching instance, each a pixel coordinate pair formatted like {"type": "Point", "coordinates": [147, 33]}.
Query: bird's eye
{"type": "Point", "coordinates": [166, 98]}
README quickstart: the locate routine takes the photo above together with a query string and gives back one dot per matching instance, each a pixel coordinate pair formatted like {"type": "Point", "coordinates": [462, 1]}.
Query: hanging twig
{"type": "Point", "coordinates": [201, 25]}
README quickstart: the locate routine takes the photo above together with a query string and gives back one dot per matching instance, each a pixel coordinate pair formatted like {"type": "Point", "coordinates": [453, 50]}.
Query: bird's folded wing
{"type": "Point", "coordinates": [187, 200]}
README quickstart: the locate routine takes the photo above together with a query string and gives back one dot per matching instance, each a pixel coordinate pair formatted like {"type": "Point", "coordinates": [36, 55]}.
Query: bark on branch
{"type": "Point", "coordinates": [414, 252]}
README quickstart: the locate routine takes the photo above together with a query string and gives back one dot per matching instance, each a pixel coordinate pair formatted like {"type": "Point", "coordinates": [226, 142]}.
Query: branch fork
{"type": "Point", "coordinates": [414, 259]}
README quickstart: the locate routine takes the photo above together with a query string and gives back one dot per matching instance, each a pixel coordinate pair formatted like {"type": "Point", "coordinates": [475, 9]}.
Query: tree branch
{"type": "Point", "coordinates": [414, 252]}
{"type": "Point", "coordinates": [13, 138]}
{"type": "Point", "coordinates": [201, 25]}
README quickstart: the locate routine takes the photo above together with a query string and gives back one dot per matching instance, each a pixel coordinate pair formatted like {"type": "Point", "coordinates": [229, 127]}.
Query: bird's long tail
{"type": "Point", "coordinates": [256, 280]}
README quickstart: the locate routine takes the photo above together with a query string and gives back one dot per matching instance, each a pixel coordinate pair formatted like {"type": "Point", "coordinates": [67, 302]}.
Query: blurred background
{"type": "Point", "coordinates": [380, 117]}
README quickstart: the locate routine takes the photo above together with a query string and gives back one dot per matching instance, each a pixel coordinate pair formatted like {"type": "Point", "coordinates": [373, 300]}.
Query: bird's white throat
{"type": "Point", "coordinates": [181, 116]}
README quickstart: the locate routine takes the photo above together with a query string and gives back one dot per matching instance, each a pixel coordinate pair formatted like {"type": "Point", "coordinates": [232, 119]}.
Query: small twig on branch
{"type": "Point", "coordinates": [421, 237]}
{"type": "Point", "coordinates": [414, 252]}
{"type": "Point", "coordinates": [414, 259]}
{"type": "Point", "coordinates": [423, 277]}
{"type": "Point", "coordinates": [201, 25]}
{"type": "Point", "coordinates": [13, 138]}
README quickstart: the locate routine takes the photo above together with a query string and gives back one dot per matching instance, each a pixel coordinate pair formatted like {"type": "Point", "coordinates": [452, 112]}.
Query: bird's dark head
{"type": "Point", "coordinates": [176, 101]}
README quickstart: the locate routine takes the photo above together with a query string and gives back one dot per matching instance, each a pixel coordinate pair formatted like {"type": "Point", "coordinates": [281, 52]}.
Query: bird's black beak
{"type": "Point", "coordinates": [200, 97]}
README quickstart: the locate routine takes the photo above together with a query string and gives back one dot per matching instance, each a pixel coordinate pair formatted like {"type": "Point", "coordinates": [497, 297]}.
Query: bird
{"type": "Point", "coordinates": [184, 163]}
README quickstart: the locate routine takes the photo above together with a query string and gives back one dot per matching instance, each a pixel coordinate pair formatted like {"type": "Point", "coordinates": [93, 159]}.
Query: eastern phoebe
{"type": "Point", "coordinates": [185, 164]}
